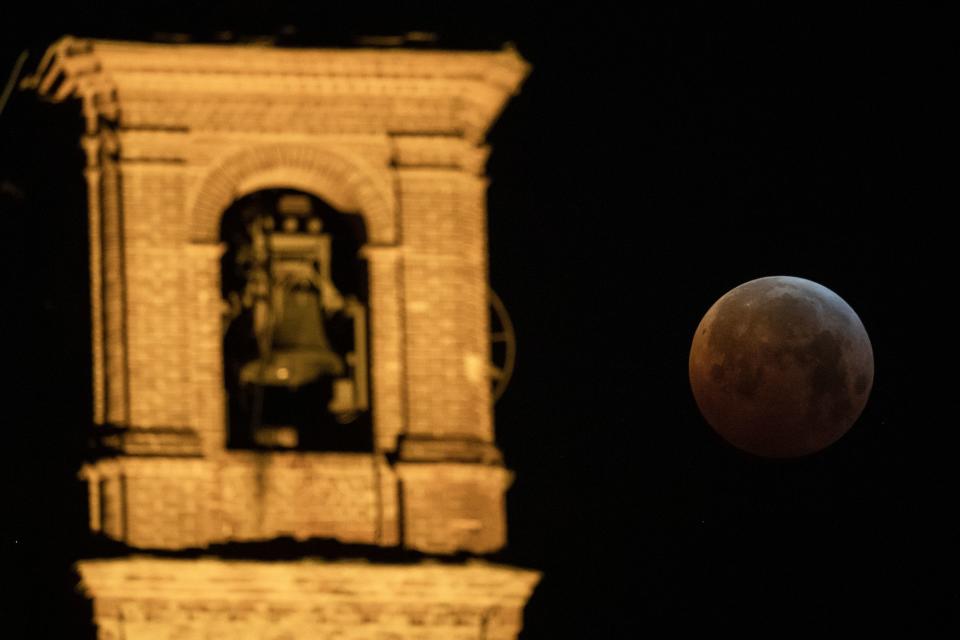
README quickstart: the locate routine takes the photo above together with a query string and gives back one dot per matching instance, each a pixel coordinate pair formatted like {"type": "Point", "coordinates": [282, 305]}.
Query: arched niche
{"type": "Point", "coordinates": [348, 185]}
{"type": "Point", "coordinates": [295, 293]}
{"type": "Point", "coordinates": [344, 180]}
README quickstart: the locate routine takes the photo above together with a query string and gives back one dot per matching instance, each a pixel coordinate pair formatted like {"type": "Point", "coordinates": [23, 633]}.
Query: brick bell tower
{"type": "Point", "coordinates": [291, 336]}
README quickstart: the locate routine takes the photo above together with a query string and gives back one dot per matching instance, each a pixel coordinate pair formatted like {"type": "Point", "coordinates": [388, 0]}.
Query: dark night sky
{"type": "Point", "coordinates": [649, 164]}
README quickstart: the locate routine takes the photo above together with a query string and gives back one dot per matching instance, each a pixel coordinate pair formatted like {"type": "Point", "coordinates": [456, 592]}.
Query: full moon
{"type": "Point", "coordinates": [781, 367]}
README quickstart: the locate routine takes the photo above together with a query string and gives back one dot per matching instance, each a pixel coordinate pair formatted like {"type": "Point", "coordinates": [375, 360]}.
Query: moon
{"type": "Point", "coordinates": [781, 367]}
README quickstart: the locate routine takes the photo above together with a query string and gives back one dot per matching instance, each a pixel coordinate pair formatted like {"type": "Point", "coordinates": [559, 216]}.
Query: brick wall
{"type": "Point", "coordinates": [110, 260]}
{"type": "Point", "coordinates": [446, 339]}
{"type": "Point", "coordinates": [451, 506]}
{"type": "Point", "coordinates": [155, 278]}
{"type": "Point", "coordinates": [392, 135]}
{"type": "Point", "coordinates": [174, 503]}
{"type": "Point", "coordinates": [386, 332]}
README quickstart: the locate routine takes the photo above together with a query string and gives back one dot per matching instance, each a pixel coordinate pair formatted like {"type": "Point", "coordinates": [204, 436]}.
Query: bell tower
{"type": "Point", "coordinates": [291, 336]}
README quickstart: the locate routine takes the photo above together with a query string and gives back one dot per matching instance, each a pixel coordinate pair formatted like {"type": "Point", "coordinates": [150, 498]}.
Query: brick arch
{"type": "Point", "coordinates": [344, 182]}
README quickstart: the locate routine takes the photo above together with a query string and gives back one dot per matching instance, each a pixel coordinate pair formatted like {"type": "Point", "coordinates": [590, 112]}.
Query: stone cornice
{"type": "Point", "coordinates": [474, 583]}
{"type": "Point", "coordinates": [405, 90]}
{"type": "Point", "coordinates": [142, 597]}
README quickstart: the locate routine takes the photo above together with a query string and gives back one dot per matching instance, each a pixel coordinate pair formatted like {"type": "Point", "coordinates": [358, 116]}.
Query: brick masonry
{"type": "Point", "coordinates": [174, 135]}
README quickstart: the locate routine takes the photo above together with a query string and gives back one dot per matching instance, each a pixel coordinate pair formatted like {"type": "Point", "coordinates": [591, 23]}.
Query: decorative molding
{"type": "Point", "coordinates": [401, 90]}
{"type": "Point", "coordinates": [140, 597]}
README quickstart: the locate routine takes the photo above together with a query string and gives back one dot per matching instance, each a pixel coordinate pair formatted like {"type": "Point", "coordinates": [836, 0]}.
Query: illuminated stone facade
{"type": "Point", "coordinates": [149, 598]}
{"type": "Point", "coordinates": [174, 135]}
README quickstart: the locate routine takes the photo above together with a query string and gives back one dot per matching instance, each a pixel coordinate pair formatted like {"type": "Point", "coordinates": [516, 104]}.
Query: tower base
{"type": "Point", "coordinates": [142, 597]}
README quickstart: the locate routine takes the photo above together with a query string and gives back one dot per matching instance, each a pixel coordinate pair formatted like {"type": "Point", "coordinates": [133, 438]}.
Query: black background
{"type": "Point", "coordinates": [651, 162]}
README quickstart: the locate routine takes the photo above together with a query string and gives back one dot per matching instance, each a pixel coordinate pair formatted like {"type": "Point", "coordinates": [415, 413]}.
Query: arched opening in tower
{"type": "Point", "coordinates": [295, 338]}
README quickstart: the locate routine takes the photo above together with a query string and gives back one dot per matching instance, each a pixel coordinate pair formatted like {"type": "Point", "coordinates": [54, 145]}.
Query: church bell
{"type": "Point", "coordinates": [294, 349]}
{"type": "Point", "coordinates": [292, 293]}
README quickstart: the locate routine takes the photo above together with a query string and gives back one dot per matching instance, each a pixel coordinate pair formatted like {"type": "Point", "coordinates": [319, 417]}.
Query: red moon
{"type": "Point", "coordinates": [781, 367]}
